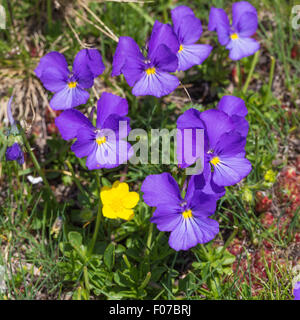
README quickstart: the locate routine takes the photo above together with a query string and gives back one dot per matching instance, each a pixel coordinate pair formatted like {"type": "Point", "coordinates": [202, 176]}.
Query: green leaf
{"type": "Point", "coordinates": [75, 239]}
{"type": "Point", "coordinates": [109, 256]}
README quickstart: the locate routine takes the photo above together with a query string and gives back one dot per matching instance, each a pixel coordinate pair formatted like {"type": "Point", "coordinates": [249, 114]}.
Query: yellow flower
{"type": "Point", "coordinates": [118, 202]}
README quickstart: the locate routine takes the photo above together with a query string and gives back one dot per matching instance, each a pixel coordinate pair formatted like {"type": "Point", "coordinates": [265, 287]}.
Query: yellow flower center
{"type": "Point", "coordinates": [101, 140]}
{"type": "Point", "coordinates": [116, 205]}
{"type": "Point", "coordinates": [180, 48]}
{"type": "Point", "coordinates": [234, 36]}
{"type": "Point", "coordinates": [150, 71]}
{"type": "Point", "coordinates": [215, 161]}
{"type": "Point", "coordinates": [72, 84]}
{"type": "Point", "coordinates": [187, 214]}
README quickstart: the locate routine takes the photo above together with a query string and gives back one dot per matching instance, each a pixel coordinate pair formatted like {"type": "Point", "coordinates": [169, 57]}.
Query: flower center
{"type": "Point", "coordinates": [215, 160]}
{"type": "Point", "coordinates": [72, 84]}
{"type": "Point", "coordinates": [150, 71]}
{"type": "Point", "coordinates": [180, 48]}
{"type": "Point", "coordinates": [101, 140]}
{"type": "Point", "coordinates": [234, 36]}
{"type": "Point", "coordinates": [116, 205]}
{"type": "Point", "coordinates": [187, 214]}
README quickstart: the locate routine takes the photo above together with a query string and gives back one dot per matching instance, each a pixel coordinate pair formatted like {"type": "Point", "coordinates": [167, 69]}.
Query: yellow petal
{"type": "Point", "coordinates": [115, 184]}
{"type": "Point", "coordinates": [106, 195]}
{"type": "Point", "coordinates": [131, 200]}
{"type": "Point", "coordinates": [126, 214]}
{"type": "Point", "coordinates": [123, 189]}
{"type": "Point", "coordinates": [108, 212]}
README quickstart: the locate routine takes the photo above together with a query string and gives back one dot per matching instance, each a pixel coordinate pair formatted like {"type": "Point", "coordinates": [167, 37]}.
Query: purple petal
{"type": "Point", "coordinates": [164, 60]}
{"type": "Point", "coordinates": [162, 34]}
{"type": "Point", "coordinates": [159, 84]}
{"type": "Point", "coordinates": [9, 113]}
{"type": "Point", "coordinates": [104, 156]}
{"type": "Point", "coordinates": [161, 189]}
{"type": "Point", "coordinates": [247, 25]}
{"type": "Point", "coordinates": [190, 119]}
{"type": "Point", "coordinates": [69, 98]}
{"type": "Point", "coordinates": [204, 183]}
{"type": "Point", "coordinates": [127, 48]}
{"type": "Point", "coordinates": [201, 204]}
{"type": "Point", "coordinates": [189, 232]}
{"type": "Point", "coordinates": [133, 70]}
{"type": "Point", "coordinates": [53, 60]}
{"type": "Point", "coordinates": [70, 121]}
{"type": "Point", "coordinates": [218, 21]}
{"type": "Point", "coordinates": [296, 291]}
{"type": "Point", "coordinates": [91, 59]}
{"type": "Point", "coordinates": [238, 9]}
{"type": "Point", "coordinates": [242, 47]}
{"type": "Point", "coordinates": [231, 170]}
{"type": "Point", "coordinates": [53, 80]}
{"type": "Point", "coordinates": [81, 69]}
{"type": "Point", "coordinates": [166, 217]}
{"type": "Point", "coordinates": [230, 144]}
{"type": "Point", "coordinates": [14, 152]}
{"type": "Point", "coordinates": [120, 125]}
{"type": "Point", "coordinates": [193, 54]}
{"type": "Point", "coordinates": [232, 105]}
{"type": "Point", "coordinates": [217, 123]}
{"type": "Point", "coordinates": [109, 104]}
{"type": "Point", "coordinates": [85, 143]}
{"type": "Point", "coordinates": [241, 125]}
{"type": "Point", "coordinates": [186, 25]}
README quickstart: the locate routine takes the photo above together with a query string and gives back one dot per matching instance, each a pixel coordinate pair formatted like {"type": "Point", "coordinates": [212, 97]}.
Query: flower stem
{"type": "Point", "coordinates": [36, 164]}
{"type": "Point", "coordinates": [99, 214]}
{"type": "Point", "coordinates": [253, 64]}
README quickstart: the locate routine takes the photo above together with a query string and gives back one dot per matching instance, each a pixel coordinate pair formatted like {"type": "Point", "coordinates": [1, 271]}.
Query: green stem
{"type": "Point", "coordinates": [149, 239]}
{"type": "Point", "coordinates": [99, 215]}
{"type": "Point", "coordinates": [238, 72]}
{"type": "Point", "coordinates": [36, 164]}
{"type": "Point", "coordinates": [253, 64]}
{"type": "Point", "coordinates": [228, 241]}
{"type": "Point", "coordinates": [86, 281]}
{"type": "Point", "coordinates": [270, 79]}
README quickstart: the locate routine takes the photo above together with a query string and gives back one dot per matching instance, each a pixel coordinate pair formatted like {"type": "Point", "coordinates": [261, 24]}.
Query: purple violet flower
{"type": "Point", "coordinates": [236, 37]}
{"type": "Point", "coordinates": [224, 146]}
{"type": "Point", "coordinates": [236, 109]}
{"type": "Point", "coordinates": [15, 153]}
{"type": "Point", "coordinates": [187, 219]}
{"type": "Point", "coordinates": [150, 75]}
{"type": "Point", "coordinates": [188, 30]}
{"type": "Point", "coordinates": [69, 87]}
{"type": "Point", "coordinates": [102, 145]}
{"type": "Point", "coordinates": [296, 291]}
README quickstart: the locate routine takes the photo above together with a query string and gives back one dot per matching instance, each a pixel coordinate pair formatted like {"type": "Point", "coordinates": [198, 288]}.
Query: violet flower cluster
{"type": "Point", "coordinates": [170, 49]}
{"type": "Point", "coordinates": [225, 164]}
{"type": "Point", "coordinates": [184, 213]}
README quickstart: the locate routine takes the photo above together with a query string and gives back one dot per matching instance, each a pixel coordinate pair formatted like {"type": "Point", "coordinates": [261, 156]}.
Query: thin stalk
{"type": "Point", "coordinates": [271, 76]}
{"type": "Point", "coordinates": [149, 239]}
{"type": "Point", "coordinates": [36, 164]}
{"type": "Point", "coordinates": [86, 281]}
{"type": "Point", "coordinates": [253, 64]}
{"type": "Point", "coordinates": [99, 215]}
{"type": "Point", "coordinates": [228, 241]}
{"type": "Point", "coordinates": [238, 72]}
